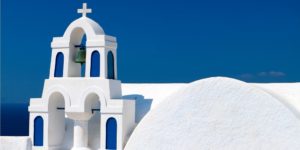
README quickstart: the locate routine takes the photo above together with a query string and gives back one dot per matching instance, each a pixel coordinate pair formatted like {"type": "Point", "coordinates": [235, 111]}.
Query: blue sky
{"type": "Point", "coordinates": [158, 41]}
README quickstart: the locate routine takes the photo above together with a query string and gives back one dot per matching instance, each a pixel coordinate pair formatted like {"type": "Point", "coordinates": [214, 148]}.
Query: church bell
{"type": "Point", "coordinates": [80, 55]}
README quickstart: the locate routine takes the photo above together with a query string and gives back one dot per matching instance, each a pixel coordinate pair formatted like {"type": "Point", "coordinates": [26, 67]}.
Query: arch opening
{"type": "Point", "coordinates": [38, 137]}
{"type": "Point", "coordinates": [92, 105]}
{"type": "Point", "coordinates": [56, 115]}
{"type": "Point", "coordinates": [90, 27]}
{"type": "Point", "coordinates": [78, 40]}
{"type": "Point", "coordinates": [59, 65]}
{"type": "Point", "coordinates": [110, 65]}
{"type": "Point", "coordinates": [111, 133]}
{"type": "Point", "coordinates": [77, 36]}
{"type": "Point", "coordinates": [95, 64]}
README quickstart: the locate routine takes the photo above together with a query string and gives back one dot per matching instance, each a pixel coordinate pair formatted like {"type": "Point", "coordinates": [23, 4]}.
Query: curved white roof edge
{"type": "Point", "coordinates": [287, 93]}
{"type": "Point", "coordinates": [228, 107]}
{"type": "Point", "coordinates": [90, 27]}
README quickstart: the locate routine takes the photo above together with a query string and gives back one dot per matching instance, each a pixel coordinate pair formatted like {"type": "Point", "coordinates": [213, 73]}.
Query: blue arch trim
{"type": "Point", "coordinates": [59, 65]}
{"type": "Point", "coordinates": [95, 64]}
{"type": "Point", "coordinates": [110, 65]}
{"type": "Point", "coordinates": [38, 131]}
{"type": "Point", "coordinates": [111, 133]}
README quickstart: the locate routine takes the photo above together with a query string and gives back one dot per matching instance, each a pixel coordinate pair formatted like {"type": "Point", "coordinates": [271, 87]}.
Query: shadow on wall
{"type": "Point", "coordinates": [142, 105]}
{"type": "Point", "coordinates": [69, 130]}
{"type": "Point", "coordinates": [93, 132]}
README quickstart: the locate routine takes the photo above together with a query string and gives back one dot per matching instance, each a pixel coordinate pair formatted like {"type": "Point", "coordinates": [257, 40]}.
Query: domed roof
{"type": "Point", "coordinates": [218, 113]}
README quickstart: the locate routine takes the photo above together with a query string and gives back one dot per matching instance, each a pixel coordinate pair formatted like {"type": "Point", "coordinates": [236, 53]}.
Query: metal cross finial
{"type": "Point", "coordinates": [84, 10]}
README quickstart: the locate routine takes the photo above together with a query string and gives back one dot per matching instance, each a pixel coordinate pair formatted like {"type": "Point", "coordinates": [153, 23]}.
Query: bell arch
{"type": "Point", "coordinates": [90, 95]}
{"type": "Point", "coordinates": [92, 102]}
{"type": "Point", "coordinates": [57, 90]}
{"type": "Point", "coordinates": [95, 40]}
{"type": "Point", "coordinates": [92, 106]}
{"type": "Point", "coordinates": [83, 25]}
{"type": "Point", "coordinates": [77, 51]}
{"type": "Point", "coordinates": [76, 35]}
{"type": "Point", "coordinates": [56, 118]}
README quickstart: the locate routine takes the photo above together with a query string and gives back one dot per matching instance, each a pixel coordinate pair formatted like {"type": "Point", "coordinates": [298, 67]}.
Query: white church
{"type": "Point", "coordinates": [85, 107]}
{"type": "Point", "coordinates": [69, 93]}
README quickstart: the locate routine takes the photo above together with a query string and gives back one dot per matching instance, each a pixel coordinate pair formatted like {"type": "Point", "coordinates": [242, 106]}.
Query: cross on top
{"type": "Point", "coordinates": [84, 10]}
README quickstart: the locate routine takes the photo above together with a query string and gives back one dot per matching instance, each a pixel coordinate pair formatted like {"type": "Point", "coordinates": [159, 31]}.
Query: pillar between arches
{"type": "Point", "coordinates": [80, 135]}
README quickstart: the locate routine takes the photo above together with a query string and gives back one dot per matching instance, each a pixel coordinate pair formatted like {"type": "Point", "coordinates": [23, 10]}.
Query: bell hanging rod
{"type": "Point", "coordinates": [60, 108]}
{"type": "Point", "coordinates": [93, 110]}
{"type": "Point", "coordinates": [80, 46]}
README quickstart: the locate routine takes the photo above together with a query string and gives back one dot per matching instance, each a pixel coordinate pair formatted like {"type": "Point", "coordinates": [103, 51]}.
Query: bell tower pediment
{"type": "Point", "coordinates": [81, 40]}
{"type": "Point", "coordinates": [83, 26]}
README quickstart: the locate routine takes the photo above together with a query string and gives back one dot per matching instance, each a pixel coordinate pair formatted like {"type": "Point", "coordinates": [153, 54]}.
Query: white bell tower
{"type": "Point", "coordinates": [71, 94]}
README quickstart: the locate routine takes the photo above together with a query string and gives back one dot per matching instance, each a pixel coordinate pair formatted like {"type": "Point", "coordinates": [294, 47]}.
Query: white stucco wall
{"type": "Point", "coordinates": [218, 113]}
{"type": "Point", "coordinates": [15, 143]}
{"type": "Point", "coordinates": [270, 123]}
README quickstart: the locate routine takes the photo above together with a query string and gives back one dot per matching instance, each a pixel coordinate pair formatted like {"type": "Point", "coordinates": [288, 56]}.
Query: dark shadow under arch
{"type": "Point", "coordinates": [110, 65]}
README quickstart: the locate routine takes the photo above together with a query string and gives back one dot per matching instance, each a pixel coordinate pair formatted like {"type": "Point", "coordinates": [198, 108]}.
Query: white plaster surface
{"type": "Point", "coordinates": [155, 92]}
{"type": "Point", "coordinates": [15, 143]}
{"type": "Point", "coordinates": [287, 93]}
{"type": "Point", "coordinates": [218, 113]}
{"type": "Point", "coordinates": [214, 113]}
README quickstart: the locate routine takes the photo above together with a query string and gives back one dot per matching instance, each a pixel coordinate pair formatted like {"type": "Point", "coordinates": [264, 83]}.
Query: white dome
{"type": "Point", "coordinates": [218, 113]}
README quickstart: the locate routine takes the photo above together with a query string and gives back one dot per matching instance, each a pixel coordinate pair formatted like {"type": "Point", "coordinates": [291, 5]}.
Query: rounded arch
{"type": "Point", "coordinates": [92, 102]}
{"type": "Point", "coordinates": [90, 95]}
{"type": "Point", "coordinates": [57, 100]}
{"type": "Point", "coordinates": [38, 133]}
{"type": "Point", "coordinates": [59, 65]}
{"type": "Point", "coordinates": [110, 65]}
{"type": "Point", "coordinates": [57, 95]}
{"type": "Point", "coordinates": [111, 133]}
{"type": "Point", "coordinates": [95, 64]}
{"type": "Point", "coordinates": [76, 35]}
{"type": "Point", "coordinates": [80, 26]}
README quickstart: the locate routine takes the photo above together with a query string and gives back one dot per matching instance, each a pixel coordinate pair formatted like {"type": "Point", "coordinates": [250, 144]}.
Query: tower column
{"type": "Point", "coordinates": [80, 135]}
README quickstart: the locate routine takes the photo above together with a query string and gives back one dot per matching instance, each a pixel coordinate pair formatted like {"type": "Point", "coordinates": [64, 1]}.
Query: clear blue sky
{"type": "Point", "coordinates": [158, 41]}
